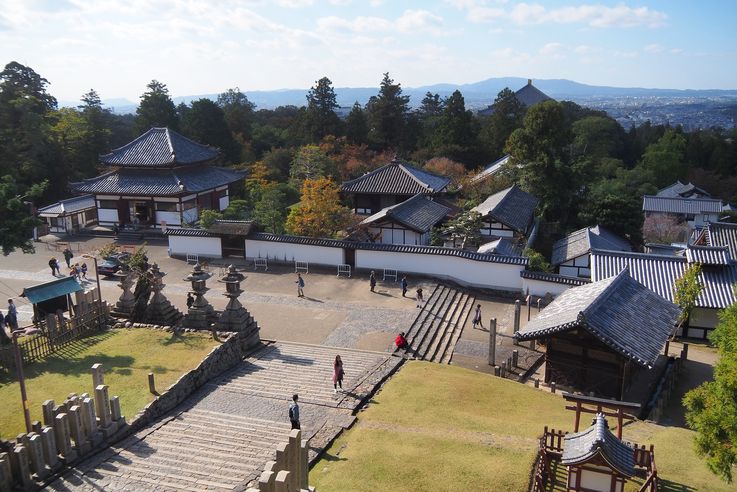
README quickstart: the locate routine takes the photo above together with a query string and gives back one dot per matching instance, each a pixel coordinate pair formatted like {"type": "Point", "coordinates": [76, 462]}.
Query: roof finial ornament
{"type": "Point", "coordinates": [529, 81]}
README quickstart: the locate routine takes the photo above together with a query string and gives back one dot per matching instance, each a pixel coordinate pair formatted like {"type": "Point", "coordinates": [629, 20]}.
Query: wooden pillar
{"type": "Point", "coordinates": [492, 342]}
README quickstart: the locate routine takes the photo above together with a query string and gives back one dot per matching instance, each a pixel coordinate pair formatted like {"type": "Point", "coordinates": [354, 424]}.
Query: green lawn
{"type": "Point", "coordinates": [128, 355]}
{"type": "Point", "coordinates": [435, 427]}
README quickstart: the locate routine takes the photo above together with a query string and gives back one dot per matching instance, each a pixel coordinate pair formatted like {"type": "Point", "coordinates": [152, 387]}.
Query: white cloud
{"type": "Point", "coordinates": [415, 20]}
{"type": "Point", "coordinates": [340, 3]}
{"type": "Point", "coordinates": [593, 15]}
{"type": "Point", "coordinates": [294, 4]}
{"type": "Point", "coordinates": [554, 50]}
{"type": "Point", "coordinates": [358, 24]}
{"type": "Point", "coordinates": [653, 48]}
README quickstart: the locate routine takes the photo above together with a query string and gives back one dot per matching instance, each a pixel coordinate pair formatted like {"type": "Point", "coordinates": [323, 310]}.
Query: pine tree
{"type": "Point", "coordinates": [321, 119]}
{"type": "Point", "coordinates": [156, 109]}
{"type": "Point", "coordinates": [387, 113]}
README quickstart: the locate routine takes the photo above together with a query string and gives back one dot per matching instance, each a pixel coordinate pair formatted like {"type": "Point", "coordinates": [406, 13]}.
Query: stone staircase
{"type": "Point", "coordinates": [193, 450]}
{"type": "Point", "coordinates": [130, 236]}
{"type": "Point", "coordinates": [277, 371]}
{"type": "Point", "coordinates": [436, 330]}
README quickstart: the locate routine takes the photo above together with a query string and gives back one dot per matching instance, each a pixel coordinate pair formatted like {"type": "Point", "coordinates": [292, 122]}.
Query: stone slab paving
{"type": "Point", "coordinates": [221, 437]}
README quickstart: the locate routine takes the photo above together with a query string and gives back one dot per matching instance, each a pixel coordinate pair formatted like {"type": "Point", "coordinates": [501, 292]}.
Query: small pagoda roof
{"type": "Point", "coordinates": [582, 241]}
{"type": "Point", "coordinates": [598, 441]}
{"type": "Point", "coordinates": [68, 206]}
{"type": "Point", "coordinates": [157, 148]}
{"type": "Point", "coordinates": [512, 207]}
{"type": "Point", "coordinates": [397, 178]}
{"type": "Point", "coordinates": [619, 311]}
{"type": "Point", "coordinates": [159, 182]}
{"type": "Point", "coordinates": [419, 213]}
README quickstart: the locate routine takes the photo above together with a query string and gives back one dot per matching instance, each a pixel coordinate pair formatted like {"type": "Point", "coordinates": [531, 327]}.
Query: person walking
{"type": "Point", "coordinates": [54, 265]}
{"type": "Point", "coordinates": [11, 319]}
{"type": "Point", "coordinates": [404, 286]}
{"type": "Point", "coordinates": [294, 412]}
{"type": "Point", "coordinates": [190, 300]}
{"type": "Point", "coordinates": [338, 374]}
{"type": "Point", "coordinates": [68, 255]}
{"type": "Point", "coordinates": [372, 280]}
{"type": "Point", "coordinates": [420, 300]}
{"type": "Point", "coordinates": [477, 317]}
{"type": "Point", "coordinates": [300, 285]}
{"type": "Point", "coordinates": [401, 342]}
{"type": "Point", "coordinates": [84, 271]}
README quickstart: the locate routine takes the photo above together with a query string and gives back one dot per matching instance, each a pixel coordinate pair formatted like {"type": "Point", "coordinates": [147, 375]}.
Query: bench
{"type": "Point", "coordinates": [344, 269]}
{"type": "Point", "coordinates": [301, 266]}
{"type": "Point", "coordinates": [389, 273]}
{"type": "Point", "coordinates": [260, 263]}
{"type": "Point", "coordinates": [193, 258]}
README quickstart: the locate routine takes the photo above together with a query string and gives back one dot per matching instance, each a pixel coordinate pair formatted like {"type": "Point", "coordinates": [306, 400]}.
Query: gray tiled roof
{"type": "Point", "coordinates": [659, 273]}
{"type": "Point", "coordinates": [159, 147]}
{"type": "Point", "coordinates": [158, 182]}
{"type": "Point", "coordinates": [581, 242]}
{"type": "Point", "coordinates": [582, 446]}
{"type": "Point", "coordinates": [723, 234]}
{"type": "Point", "coordinates": [491, 169]}
{"type": "Point", "coordinates": [708, 255]}
{"type": "Point", "coordinates": [512, 207]}
{"type": "Point", "coordinates": [187, 231]}
{"type": "Point", "coordinates": [397, 178]}
{"type": "Point", "coordinates": [687, 190]}
{"type": "Point", "coordinates": [554, 278]}
{"type": "Point", "coordinates": [400, 248]}
{"type": "Point", "coordinates": [419, 213]}
{"type": "Point", "coordinates": [503, 246]}
{"type": "Point", "coordinates": [530, 95]}
{"type": "Point", "coordinates": [68, 206]}
{"type": "Point", "coordinates": [683, 206]}
{"type": "Point", "coordinates": [619, 311]}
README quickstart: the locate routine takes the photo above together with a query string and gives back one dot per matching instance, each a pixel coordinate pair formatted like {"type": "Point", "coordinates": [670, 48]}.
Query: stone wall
{"type": "Point", "coordinates": [219, 360]}
{"type": "Point", "coordinates": [289, 471]}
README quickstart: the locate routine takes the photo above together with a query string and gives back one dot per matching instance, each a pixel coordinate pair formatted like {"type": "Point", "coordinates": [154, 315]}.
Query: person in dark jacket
{"type": "Point", "coordinates": [372, 280]}
{"type": "Point", "coordinates": [294, 412]}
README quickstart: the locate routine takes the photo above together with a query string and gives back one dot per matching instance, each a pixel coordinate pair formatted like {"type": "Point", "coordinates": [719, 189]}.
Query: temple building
{"type": "Point", "coordinates": [508, 213]}
{"type": "Point", "coordinates": [160, 179]}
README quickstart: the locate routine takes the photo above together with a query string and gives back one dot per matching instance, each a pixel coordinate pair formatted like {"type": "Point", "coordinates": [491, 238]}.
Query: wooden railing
{"type": "Point", "coordinates": [44, 344]}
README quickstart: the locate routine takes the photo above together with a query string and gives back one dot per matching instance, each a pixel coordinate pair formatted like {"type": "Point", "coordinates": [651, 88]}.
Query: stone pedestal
{"type": "Point", "coordinates": [47, 409]}
{"type": "Point", "coordinates": [235, 317]}
{"type": "Point", "coordinates": [48, 440]}
{"type": "Point", "coordinates": [102, 404]}
{"type": "Point", "coordinates": [38, 461]}
{"type": "Point", "coordinates": [127, 302]}
{"type": "Point", "coordinates": [63, 438]}
{"type": "Point", "coordinates": [6, 478]}
{"type": "Point", "coordinates": [160, 311]}
{"type": "Point", "coordinates": [22, 467]}
{"type": "Point", "coordinates": [201, 315]}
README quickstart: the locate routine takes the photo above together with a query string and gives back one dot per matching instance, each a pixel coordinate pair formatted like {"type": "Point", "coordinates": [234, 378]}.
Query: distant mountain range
{"type": "Point", "coordinates": [477, 95]}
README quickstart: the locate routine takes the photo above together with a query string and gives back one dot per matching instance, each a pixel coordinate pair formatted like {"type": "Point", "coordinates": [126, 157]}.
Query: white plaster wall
{"type": "Point", "coordinates": [224, 202]}
{"type": "Point", "coordinates": [592, 480]}
{"type": "Point", "coordinates": [107, 215]}
{"type": "Point", "coordinates": [171, 218]}
{"type": "Point", "coordinates": [468, 272]}
{"type": "Point", "coordinates": [540, 287]}
{"type": "Point", "coordinates": [294, 252]}
{"type": "Point", "coordinates": [206, 247]}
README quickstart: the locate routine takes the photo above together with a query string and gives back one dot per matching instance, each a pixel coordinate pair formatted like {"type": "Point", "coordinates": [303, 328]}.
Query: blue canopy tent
{"type": "Point", "coordinates": [50, 297]}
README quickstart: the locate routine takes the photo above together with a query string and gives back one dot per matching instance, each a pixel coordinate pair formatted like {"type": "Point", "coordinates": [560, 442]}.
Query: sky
{"type": "Point", "coordinates": [203, 47]}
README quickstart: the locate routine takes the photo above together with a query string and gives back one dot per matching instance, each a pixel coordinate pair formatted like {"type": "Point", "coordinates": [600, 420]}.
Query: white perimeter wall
{"type": "Point", "coordinates": [540, 287]}
{"type": "Point", "coordinates": [207, 247]}
{"type": "Point", "coordinates": [171, 218]}
{"type": "Point", "coordinates": [468, 272]}
{"type": "Point", "coordinates": [320, 255]}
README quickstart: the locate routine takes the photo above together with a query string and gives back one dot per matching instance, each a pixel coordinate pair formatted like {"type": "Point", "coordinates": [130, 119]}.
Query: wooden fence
{"type": "Point", "coordinates": [52, 339]}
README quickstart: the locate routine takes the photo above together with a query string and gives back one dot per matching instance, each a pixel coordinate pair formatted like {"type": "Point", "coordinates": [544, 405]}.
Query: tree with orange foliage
{"type": "Point", "coordinates": [319, 213]}
{"type": "Point", "coordinates": [447, 167]}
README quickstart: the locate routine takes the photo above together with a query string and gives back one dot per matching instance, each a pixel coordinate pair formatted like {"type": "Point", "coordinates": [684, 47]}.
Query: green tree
{"type": "Point", "coordinates": [464, 229]}
{"type": "Point", "coordinates": [238, 112]}
{"type": "Point", "coordinates": [356, 125]}
{"type": "Point", "coordinates": [456, 134]}
{"type": "Point", "coordinates": [27, 150]}
{"type": "Point", "coordinates": [320, 213]}
{"type": "Point", "coordinates": [431, 105]}
{"type": "Point", "coordinates": [270, 209]}
{"type": "Point", "coordinates": [507, 114]}
{"type": "Point", "coordinates": [666, 158]}
{"type": "Point", "coordinates": [711, 409]}
{"type": "Point", "coordinates": [321, 119]}
{"type": "Point", "coordinates": [98, 131]}
{"type": "Point", "coordinates": [621, 214]}
{"type": "Point", "coordinates": [536, 262]}
{"type": "Point", "coordinates": [686, 291]}
{"type": "Point", "coordinates": [208, 218]}
{"type": "Point", "coordinates": [387, 114]}
{"type": "Point", "coordinates": [539, 148]}
{"type": "Point", "coordinates": [236, 210]}
{"type": "Point", "coordinates": [16, 221]}
{"type": "Point", "coordinates": [204, 122]}
{"type": "Point", "coordinates": [156, 109]}
{"type": "Point", "coordinates": [310, 162]}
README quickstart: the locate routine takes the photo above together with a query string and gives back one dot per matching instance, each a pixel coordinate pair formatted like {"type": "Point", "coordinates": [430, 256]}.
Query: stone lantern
{"type": "Point", "coordinates": [160, 311]}
{"type": "Point", "coordinates": [235, 317]}
{"type": "Point", "coordinates": [201, 313]}
{"type": "Point", "coordinates": [126, 303]}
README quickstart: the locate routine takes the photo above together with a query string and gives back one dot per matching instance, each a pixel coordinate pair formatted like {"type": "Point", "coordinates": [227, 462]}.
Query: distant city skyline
{"type": "Point", "coordinates": [197, 47]}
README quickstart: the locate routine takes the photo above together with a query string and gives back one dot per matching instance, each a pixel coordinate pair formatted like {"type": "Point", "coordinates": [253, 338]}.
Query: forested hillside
{"type": "Point", "coordinates": [583, 165]}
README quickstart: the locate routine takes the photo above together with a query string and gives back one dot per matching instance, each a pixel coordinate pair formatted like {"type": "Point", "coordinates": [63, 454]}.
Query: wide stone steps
{"type": "Point", "coordinates": [306, 370]}
{"type": "Point", "coordinates": [437, 328]}
{"type": "Point", "coordinates": [195, 450]}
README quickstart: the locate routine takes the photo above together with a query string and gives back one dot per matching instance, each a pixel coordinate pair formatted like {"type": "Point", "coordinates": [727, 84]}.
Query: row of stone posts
{"type": "Point", "coordinates": [290, 471]}
{"type": "Point", "coordinates": [69, 431]}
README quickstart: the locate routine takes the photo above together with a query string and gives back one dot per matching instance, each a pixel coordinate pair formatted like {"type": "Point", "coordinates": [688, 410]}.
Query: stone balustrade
{"type": "Point", "coordinates": [70, 431]}
{"type": "Point", "coordinates": [289, 472]}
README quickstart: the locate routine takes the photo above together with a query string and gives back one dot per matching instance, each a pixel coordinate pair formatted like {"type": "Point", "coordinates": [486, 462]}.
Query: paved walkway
{"type": "Point", "coordinates": [222, 436]}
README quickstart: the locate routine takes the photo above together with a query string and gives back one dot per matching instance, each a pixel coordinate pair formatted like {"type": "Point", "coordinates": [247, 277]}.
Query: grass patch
{"type": "Point", "coordinates": [436, 427]}
{"type": "Point", "coordinates": [128, 355]}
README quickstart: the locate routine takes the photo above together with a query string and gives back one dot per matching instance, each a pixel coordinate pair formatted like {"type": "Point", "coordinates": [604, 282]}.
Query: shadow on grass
{"type": "Point", "coordinates": [668, 486]}
{"type": "Point", "coordinates": [332, 457]}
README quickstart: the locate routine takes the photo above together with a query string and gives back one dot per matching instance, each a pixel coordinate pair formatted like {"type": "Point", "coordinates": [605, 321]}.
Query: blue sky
{"type": "Point", "coordinates": [198, 46]}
